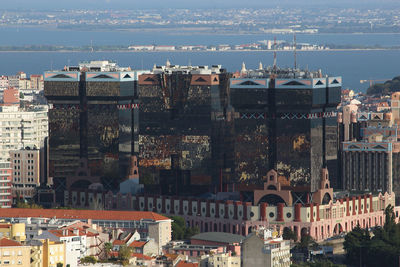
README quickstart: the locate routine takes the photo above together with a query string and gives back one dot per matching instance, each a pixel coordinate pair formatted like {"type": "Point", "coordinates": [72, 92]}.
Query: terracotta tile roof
{"type": "Point", "coordinates": [5, 225]}
{"type": "Point", "coordinates": [171, 256]}
{"type": "Point", "coordinates": [82, 214]}
{"type": "Point", "coordinates": [141, 256]}
{"type": "Point", "coordinates": [61, 233]}
{"type": "Point", "coordinates": [118, 242]}
{"type": "Point", "coordinates": [137, 244]}
{"type": "Point", "coordinates": [69, 231]}
{"type": "Point", "coordinates": [4, 242]}
{"type": "Point", "coordinates": [187, 264]}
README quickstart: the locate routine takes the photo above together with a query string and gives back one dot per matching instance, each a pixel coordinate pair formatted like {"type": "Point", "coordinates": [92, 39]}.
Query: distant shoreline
{"type": "Point", "coordinates": [198, 51]}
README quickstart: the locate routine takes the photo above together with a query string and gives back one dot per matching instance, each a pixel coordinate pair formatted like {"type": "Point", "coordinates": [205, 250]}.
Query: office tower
{"type": "Point", "coordinates": [183, 113]}
{"type": "Point", "coordinates": [91, 121]}
{"type": "Point", "coordinates": [285, 119]}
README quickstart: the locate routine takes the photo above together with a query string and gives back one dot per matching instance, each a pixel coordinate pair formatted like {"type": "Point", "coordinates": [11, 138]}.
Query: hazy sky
{"type": "Point", "coordinates": [132, 4]}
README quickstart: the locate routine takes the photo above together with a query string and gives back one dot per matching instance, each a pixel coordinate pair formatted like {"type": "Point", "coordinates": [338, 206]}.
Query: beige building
{"type": "Point", "coordinates": [161, 232]}
{"type": "Point", "coordinates": [37, 82]}
{"type": "Point", "coordinates": [26, 172]}
{"type": "Point", "coordinates": [46, 253]}
{"type": "Point", "coordinates": [221, 260]}
{"type": "Point", "coordinates": [259, 251]}
{"type": "Point", "coordinates": [13, 253]}
{"type": "Point", "coordinates": [53, 253]}
{"type": "Point", "coordinates": [15, 231]}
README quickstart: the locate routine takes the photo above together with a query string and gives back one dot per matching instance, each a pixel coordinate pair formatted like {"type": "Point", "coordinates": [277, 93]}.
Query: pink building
{"type": "Point", "coordinates": [322, 217]}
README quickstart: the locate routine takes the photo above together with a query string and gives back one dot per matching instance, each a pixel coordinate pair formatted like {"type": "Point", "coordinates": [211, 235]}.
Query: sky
{"type": "Point", "coordinates": [141, 4]}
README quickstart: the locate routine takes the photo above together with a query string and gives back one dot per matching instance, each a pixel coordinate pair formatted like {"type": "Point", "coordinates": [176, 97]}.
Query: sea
{"type": "Point", "coordinates": [352, 65]}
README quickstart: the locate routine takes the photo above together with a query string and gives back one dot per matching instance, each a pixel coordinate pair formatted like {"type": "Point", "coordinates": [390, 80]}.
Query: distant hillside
{"type": "Point", "coordinates": [387, 87]}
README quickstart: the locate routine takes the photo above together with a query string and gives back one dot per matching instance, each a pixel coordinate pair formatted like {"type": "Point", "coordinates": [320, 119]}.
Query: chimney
{"type": "Point", "coordinates": [76, 231]}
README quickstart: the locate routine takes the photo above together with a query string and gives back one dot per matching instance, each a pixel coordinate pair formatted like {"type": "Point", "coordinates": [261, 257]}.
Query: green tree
{"type": "Point", "coordinates": [178, 228]}
{"type": "Point", "coordinates": [288, 234]}
{"type": "Point", "coordinates": [107, 249]}
{"type": "Point", "coordinates": [21, 95]}
{"type": "Point", "coordinates": [60, 264]}
{"type": "Point", "coordinates": [124, 254]}
{"type": "Point", "coordinates": [191, 231]}
{"type": "Point", "coordinates": [88, 259]}
{"type": "Point", "coordinates": [383, 249]}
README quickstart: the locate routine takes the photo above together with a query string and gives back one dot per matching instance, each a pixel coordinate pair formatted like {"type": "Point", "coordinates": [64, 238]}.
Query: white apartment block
{"type": "Point", "coordinates": [21, 128]}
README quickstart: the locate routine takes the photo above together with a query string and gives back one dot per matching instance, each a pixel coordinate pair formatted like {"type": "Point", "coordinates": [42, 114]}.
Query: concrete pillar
{"type": "Point", "coordinates": [297, 212]}
{"type": "Point", "coordinates": [280, 212]}
{"type": "Point", "coordinates": [263, 211]}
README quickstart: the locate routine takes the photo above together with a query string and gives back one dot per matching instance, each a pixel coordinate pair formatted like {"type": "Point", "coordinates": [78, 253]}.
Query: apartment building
{"type": "Point", "coordinates": [26, 172]}
{"type": "Point", "coordinates": [13, 253]}
{"type": "Point", "coordinates": [5, 185]}
{"type": "Point", "coordinates": [21, 128]}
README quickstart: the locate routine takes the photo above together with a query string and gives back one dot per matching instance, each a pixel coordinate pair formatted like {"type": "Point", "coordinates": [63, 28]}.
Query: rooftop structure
{"type": "Point", "coordinates": [169, 69]}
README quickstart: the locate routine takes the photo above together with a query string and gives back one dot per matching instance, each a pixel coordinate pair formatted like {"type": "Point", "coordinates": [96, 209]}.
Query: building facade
{"type": "Point", "coordinates": [285, 120]}
{"type": "Point", "coordinates": [91, 122]}
{"type": "Point", "coordinates": [5, 185]}
{"type": "Point", "coordinates": [182, 126]}
{"type": "Point", "coordinates": [26, 172]}
{"type": "Point", "coordinates": [13, 253]}
{"type": "Point", "coordinates": [21, 128]}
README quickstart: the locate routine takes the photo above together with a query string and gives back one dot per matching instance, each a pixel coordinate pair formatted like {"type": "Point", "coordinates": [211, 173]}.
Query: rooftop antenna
{"type": "Point", "coordinates": [274, 66]}
{"type": "Point", "coordinates": [295, 51]}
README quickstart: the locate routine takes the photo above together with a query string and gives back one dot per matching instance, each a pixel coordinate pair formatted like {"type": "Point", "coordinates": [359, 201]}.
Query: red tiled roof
{"type": "Point", "coordinates": [69, 231]}
{"type": "Point", "coordinates": [5, 225]}
{"type": "Point", "coordinates": [4, 242]}
{"type": "Point", "coordinates": [187, 264]}
{"type": "Point", "coordinates": [137, 244]}
{"type": "Point", "coordinates": [118, 242]}
{"type": "Point", "coordinates": [141, 256]}
{"type": "Point", "coordinates": [82, 214]}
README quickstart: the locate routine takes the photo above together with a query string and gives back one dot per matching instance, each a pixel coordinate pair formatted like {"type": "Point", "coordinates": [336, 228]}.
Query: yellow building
{"type": "Point", "coordinates": [53, 253]}
{"type": "Point", "coordinates": [13, 253]}
{"type": "Point", "coordinates": [46, 253]}
{"type": "Point", "coordinates": [15, 231]}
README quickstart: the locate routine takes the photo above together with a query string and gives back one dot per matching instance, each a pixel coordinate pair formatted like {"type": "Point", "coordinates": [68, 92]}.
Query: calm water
{"type": "Point", "coordinates": [28, 36]}
{"type": "Point", "coordinates": [353, 66]}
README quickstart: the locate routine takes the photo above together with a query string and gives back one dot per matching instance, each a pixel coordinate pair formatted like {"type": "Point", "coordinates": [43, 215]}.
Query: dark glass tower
{"type": "Point", "coordinates": [182, 121]}
{"type": "Point", "coordinates": [285, 120]}
{"type": "Point", "coordinates": [92, 121]}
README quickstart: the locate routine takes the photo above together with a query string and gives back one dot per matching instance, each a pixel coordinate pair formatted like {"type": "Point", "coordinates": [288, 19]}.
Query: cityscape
{"type": "Point", "coordinates": [223, 164]}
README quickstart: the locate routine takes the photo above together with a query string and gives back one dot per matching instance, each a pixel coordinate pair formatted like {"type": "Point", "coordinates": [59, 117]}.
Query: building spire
{"type": "Point", "coordinates": [243, 70]}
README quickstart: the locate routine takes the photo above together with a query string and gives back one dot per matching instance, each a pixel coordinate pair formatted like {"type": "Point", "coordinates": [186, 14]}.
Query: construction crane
{"type": "Point", "coordinates": [371, 82]}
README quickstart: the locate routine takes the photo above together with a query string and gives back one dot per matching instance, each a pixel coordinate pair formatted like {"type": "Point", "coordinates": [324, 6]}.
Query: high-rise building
{"type": "Point", "coordinates": [285, 120]}
{"type": "Point", "coordinates": [183, 113]}
{"type": "Point", "coordinates": [91, 123]}
{"type": "Point", "coordinates": [21, 128]}
{"type": "Point", "coordinates": [5, 185]}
